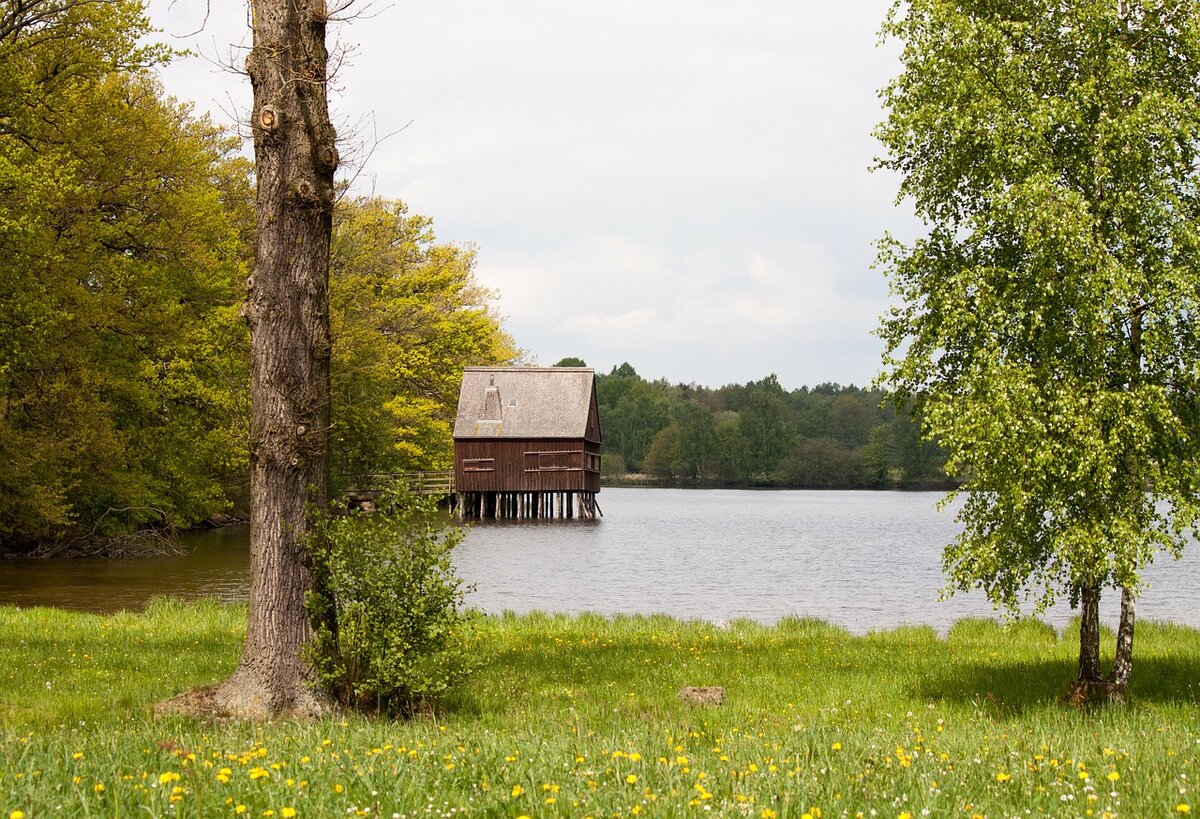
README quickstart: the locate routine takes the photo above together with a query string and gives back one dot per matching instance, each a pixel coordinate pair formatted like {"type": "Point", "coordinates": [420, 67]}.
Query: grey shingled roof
{"type": "Point", "coordinates": [535, 402]}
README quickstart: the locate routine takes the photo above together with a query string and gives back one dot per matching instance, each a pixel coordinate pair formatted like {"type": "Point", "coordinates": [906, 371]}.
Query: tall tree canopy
{"type": "Point", "coordinates": [121, 354]}
{"type": "Point", "coordinates": [407, 316]}
{"type": "Point", "coordinates": [127, 227]}
{"type": "Point", "coordinates": [1048, 316]}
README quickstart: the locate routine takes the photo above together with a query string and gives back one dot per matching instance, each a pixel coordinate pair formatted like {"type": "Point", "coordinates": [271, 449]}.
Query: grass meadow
{"type": "Point", "coordinates": [578, 716]}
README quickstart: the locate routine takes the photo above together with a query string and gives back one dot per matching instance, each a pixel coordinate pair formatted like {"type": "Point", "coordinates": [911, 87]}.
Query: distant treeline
{"type": "Point", "coordinates": [760, 434]}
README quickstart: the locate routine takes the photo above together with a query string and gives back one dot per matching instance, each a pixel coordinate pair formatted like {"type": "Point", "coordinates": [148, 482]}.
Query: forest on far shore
{"type": "Point", "coordinates": [760, 434]}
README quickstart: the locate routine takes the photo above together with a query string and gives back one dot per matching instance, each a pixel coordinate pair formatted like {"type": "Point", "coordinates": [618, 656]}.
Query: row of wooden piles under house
{"type": "Point", "coordinates": [527, 444]}
{"type": "Point", "coordinates": [527, 505]}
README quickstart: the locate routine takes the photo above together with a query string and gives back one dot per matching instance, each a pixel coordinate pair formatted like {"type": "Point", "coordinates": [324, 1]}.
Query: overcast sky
{"type": "Point", "coordinates": [681, 185]}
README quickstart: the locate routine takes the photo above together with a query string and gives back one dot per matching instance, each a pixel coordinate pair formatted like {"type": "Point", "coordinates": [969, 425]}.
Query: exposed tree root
{"type": "Point", "coordinates": [239, 698]}
{"type": "Point", "coordinates": [1084, 693]}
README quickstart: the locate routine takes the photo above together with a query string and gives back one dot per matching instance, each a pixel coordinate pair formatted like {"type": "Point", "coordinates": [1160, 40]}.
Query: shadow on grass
{"type": "Point", "coordinates": [1017, 687]}
{"type": "Point", "coordinates": [640, 662]}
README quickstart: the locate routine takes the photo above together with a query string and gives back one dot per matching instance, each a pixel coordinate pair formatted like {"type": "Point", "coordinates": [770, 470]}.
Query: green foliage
{"type": "Point", "coordinates": [823, 463]}
{"type": "Point", "coordinates": [633, 414]}
{"type": "Point", "coordinates": [760, 434]}
{"type": "Point", "coordinates": [1047, 318]}
{"type": "Point", "coordinates": [571, 361]}
{"type": "Point", "coordinates": [407, 315]}
{"type": "Point", "coordinates": [121, 351]}
{"type": "Point", "coordinates": [663, 453]}
{"type": "Point", "coordinates": [126, 231]}
{"type": "Point", "coordinates": [388, 632]}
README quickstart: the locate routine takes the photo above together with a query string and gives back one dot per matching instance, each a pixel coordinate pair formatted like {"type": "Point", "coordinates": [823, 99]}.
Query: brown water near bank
{"type": "Point", "coordinates": [216, 564]}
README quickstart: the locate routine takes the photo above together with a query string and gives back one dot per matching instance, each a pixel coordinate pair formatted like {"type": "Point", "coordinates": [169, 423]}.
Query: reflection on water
{"type": "Point", "coordinates": [863, 560]}
{"type": "Point", "coordinates": [217, 564]}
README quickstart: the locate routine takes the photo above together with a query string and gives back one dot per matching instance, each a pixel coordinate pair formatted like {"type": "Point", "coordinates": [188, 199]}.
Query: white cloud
{"type": "Point", "coordinates": [683, 185]}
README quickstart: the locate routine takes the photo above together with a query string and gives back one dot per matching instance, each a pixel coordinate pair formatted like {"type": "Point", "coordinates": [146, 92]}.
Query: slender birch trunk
{"type": "Point", "coordinates": [1123, 666]}
{"type": "Point", "coordinates": [1089, 635]}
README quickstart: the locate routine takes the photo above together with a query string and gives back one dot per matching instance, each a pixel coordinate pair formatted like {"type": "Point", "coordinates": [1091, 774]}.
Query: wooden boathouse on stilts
{"type": "Point", "coordinates": [527, 443]}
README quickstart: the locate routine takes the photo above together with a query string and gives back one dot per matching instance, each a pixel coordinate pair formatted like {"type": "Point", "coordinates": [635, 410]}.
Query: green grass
{"type": "Point", "coordinates": [579, 716]}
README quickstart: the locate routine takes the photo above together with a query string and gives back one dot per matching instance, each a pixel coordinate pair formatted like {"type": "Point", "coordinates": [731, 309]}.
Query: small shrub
{"type": "Point", "coordinates": [389, 633]}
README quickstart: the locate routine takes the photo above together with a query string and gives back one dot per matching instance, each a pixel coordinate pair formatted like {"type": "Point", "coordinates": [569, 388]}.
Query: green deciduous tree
{"type": "Point", "coordinates": [764, 425]}
{"type": "Point", "coordinates": [823, 463]}
{"type": "Point", "coordinates": [1048, 315]}
{"type": "Point", "coordinates": [407, 316]}
{"type": "Point", "coordinates": [632, 421]}
{"type": "Point", "coordinates": [121, 352]}
{"type": "Point", "coordinates": [663, 452]}
{"type": "Point", "coordinates": [696, 440]}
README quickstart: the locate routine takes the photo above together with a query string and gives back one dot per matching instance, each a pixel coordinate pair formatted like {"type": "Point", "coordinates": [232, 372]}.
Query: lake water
{"type": "Point", "coordinates": [862, 560]}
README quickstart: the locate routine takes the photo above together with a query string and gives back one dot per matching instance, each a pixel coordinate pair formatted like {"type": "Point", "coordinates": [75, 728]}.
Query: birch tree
{"type": "Point", "coordinates": [1046, 319]}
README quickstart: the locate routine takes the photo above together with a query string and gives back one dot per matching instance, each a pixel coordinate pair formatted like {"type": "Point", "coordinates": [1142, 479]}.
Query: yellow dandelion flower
{"type": "Point", "coordinates": [17, 814]}
{"type": "Point", "coordinates": [767, 813]}
{"type": "Point", "coordinates": [837, 746]}
{"type": "Point", "coordinates": [517, 790]}
{"type": "Point", "coordinates": [631, 779]}
{"type": "Point", "coordinates": [1003, 777]}
{"type": "Point", "coordinates": [1183, 807]}
{"type": "Point", "coordinates": [98, 787]}
{"type": "Point", "coordinates": [1113, 776]}
{"type": "Point", "coordinates": [287, 813]}
{"type": "Point", "coordinates": [239, 809]}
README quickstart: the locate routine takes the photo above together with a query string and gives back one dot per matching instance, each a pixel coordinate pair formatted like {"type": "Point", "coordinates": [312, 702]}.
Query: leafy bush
{"type": "Point", "coordinates": [389, 633]}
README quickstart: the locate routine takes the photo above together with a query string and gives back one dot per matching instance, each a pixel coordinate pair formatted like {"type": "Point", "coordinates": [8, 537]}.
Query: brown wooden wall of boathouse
{"type": "Point", "coordinates": [515, 465]}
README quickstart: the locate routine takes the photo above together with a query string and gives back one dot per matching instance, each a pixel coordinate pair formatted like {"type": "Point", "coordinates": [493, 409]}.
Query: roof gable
{"type": "Point", "coordinates": [533, 402]}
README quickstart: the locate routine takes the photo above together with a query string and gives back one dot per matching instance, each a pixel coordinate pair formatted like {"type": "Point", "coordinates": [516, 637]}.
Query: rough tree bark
{"type": "Point", "coordinates": [1091, 686]}
{"type": "Point", "coordinates": [1089, 635]}
{"type": "Point", "coordinates": [287, 308]}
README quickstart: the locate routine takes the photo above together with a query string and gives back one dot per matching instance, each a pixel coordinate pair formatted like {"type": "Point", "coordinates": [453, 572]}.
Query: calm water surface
{"type": "Point", "coordinates": [863, 560]}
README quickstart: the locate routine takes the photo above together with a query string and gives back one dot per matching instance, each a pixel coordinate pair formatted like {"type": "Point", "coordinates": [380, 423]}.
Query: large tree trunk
{"type": "Point", "coordinates": [288, 311]}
